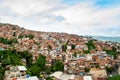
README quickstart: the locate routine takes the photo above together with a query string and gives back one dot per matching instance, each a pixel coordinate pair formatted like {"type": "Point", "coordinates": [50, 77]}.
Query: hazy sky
{"type": "Point", "coordinates": [82, 17]}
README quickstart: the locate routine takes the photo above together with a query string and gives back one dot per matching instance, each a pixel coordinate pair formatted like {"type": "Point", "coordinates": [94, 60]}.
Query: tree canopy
{"type": "Point", "coordinates": [8, 41]}
{"type": "Point", "coordinates": [114, 78]}
{"type": "Point", "coordinates": [58, 66]}
{"type": "Point", "coordinates": [64, 47]}
{"type": "Point", "coordinates": [90, 45]}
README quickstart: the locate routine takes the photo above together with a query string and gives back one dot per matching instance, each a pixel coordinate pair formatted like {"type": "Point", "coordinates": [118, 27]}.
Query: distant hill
{"type": "Point", "coordinates": [6, 28]}
{"type": "Point", "coordinates": [102, 38]}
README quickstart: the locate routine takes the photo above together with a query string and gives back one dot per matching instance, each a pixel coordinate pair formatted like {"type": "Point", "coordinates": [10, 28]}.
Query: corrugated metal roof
{"type": "Point", "coordinates": [87, 78]}
{"type": "Point", "coordinates": [22, 68]}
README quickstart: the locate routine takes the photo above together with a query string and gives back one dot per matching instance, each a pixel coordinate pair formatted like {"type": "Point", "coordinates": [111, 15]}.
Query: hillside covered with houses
{"type": "Point", "coordinates": [55, 56]}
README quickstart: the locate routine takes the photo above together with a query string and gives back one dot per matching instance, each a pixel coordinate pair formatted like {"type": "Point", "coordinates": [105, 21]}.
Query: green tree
{"type": "Point", "coordinates": [26, 55]}
{"type": "Point", "coordinates": [117, 77]}
{"type": "Point", "coordinates": [114, 49]}
{"type": "Point", "coordinates": [109, 69]}
{"type": "Point", "coordinates": [53, 68]}
{"type": "Point", "coordinates": [14, 33]}
{"type": "Point", "coordinates": [73, 46]}
{"type": "Point", "coordinates": [31, 36]}
{"type": "Point", "coordinates": [12, 57]}
{"type": "Point", "coordinates": [38, 66]}
{"type": "Point", "coordinates": [35, 70]}
{"type": "Point", "coordinates": [20, 36]}
{"type": "Point", "coordinates": [87, 51]}
{"type": "Point", "coordinates": [5, 62]}
{"type": "Point", "coordinates": [49, 78]}
{"type": "Point", "coordinates": [15, 59]}
{"type": "Point", "coordinates": [64, 47]}
{"type": "Point", "coordinates": [8, 41]}
{"type": "Point", "coordinates": [112, 53]}
{"type": "Point", "coordinates": [97, 66]}
{"type": "Point", "coordinates": [87, 69]}
{"type": "Point", "coordinates": [75, 54]}
{"type": "Point", "coordinates": [48, 71]}
{"type": "Point", "coordinates": [41, 62]}
{"type": "Point", "coordinates": [58, 66]}
{"type": "Point", "coordinates": [2, 71]}
{"type": "Point", "coordinates": [91, 45]}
